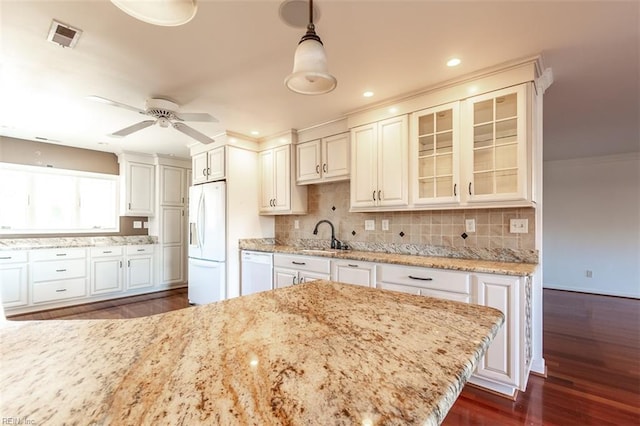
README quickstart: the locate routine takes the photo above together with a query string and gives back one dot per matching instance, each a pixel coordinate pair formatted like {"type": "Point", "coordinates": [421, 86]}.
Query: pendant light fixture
{"type": "Point", "coordinates": [167, 13]}
{"type": "Point", "coordinates": [310, 74]}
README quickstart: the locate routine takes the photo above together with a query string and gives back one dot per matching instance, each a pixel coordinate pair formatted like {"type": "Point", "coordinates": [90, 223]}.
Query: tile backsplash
{"type": "Point", "coordinates": [437, 228]}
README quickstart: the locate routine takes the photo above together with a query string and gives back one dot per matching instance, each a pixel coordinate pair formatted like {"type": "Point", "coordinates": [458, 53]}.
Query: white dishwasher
{"type": "Point", "coordinates": [257, 272]}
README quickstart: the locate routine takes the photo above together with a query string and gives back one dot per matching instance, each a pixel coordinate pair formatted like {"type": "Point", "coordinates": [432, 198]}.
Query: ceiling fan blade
{"type": "Point", "coordinates": [114, 103]}
{"type": "Point", "coordinates": [189, 131]}
{"type": "Point", "coordinates": [196, 116]}
{"type": "Point", "coordinates": [138, 126]}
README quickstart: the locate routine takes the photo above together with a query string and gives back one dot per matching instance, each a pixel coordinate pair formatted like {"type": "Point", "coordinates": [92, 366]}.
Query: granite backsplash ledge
{"type": "Point", "coordinates": [474, 253]}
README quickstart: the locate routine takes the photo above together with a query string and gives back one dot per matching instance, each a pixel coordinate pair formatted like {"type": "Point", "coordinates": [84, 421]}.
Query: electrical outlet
{"type": "Point", "coordinates": [589, 274]}
{"type": "Point", "coordinates": [145, 225]}
{"type": "Point", "coordinates": [137, 224]}
{"type": "Point", "coordinates": [296, 224]}
{"type": "Point", "coordinates": [519, 226]}
{"type": "Point", "coordinates": [369, 225]}
{"type": "Point", "coordinates": [470, 225]}
{"type": "Point", "coordinates": [385, 224]}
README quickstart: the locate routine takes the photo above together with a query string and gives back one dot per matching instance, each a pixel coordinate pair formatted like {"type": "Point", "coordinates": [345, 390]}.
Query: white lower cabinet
{"type": "Point", "coordinates": [58, 274]}
{"type": "Point", "coordinates": [506, 365]}
{"type": "Point", "coordinates": [294, 269]}
{"type": "Point", "coordinates": [139, 266]}
{"type": "Point", "coordinates": [354, 272]}
{"type": "Point", "coordinates": [450, 285]}
{"type": "Point", "coordinates": [14, 268]}
{"type": "Point", "coordinates": [106, 269]}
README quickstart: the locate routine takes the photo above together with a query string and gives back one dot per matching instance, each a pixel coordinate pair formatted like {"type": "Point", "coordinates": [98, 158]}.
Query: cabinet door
{"type": "Point", "coordinates": [393, 139]}
{"type": "Point", "coordinates": [106, 275]}
{"type": "Point", "coordinates": [199, 168]}
{"type": "Point", "coordinates": [336, 152]}
{"type": "Point", "coordinates": [266, 181]}
{"type": "Point", "coordinates": [498, 151]}
{"type": "Point", "coordinates": [352, 272]}
{"type": "Point", "coordinates": [140, 188]}
{"type": "Point", "coordinates": [364, 162]}
{"type": "Point", "coordinates": [13, 284]}
{"type": "Point", "coordinates": [172, 225]}
{"type": "Point", "coordinates": [308, 157]}
{"type": "Point", "coordinates": [434, 147]}
{"type": "Point", "coordinates": [215, 170]}
{"type": "Point", "coordinates": [139, 272]}
{"type": "Point", "coordinates": [282, 178]}
{"type": "Point", "coordinates": [172, 264]}
{"type": "Point", "coordinates": [284, 277]}
{"type": "Point", "coordinates": [306, 276]}
{"type": "Point", "coordinates": [500, 361]}
{"type": "Point", "coordinates": [172, 186]}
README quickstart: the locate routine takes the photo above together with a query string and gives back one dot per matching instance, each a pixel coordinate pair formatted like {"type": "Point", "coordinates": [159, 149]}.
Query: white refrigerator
{"type": "Point", "coordinates": [207, 243]}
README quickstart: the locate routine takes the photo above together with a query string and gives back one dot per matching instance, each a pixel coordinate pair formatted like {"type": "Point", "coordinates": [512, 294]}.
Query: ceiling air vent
{"type": "Point", "coordinates": [63, 35]}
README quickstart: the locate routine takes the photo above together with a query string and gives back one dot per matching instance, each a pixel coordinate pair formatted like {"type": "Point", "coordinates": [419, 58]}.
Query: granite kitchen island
{"type": "Point", "coordinates": [317, 353]}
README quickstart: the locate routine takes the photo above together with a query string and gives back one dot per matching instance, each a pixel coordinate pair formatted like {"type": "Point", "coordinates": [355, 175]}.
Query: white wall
{"type": "Point", "coordinates": [592, 222]}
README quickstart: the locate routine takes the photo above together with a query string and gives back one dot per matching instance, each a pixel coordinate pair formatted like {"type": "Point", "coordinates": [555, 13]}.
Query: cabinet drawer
{"type": "Point", "coordinates": [436, 279]}
{"type": "Point", "coordinates": [13, 256]}
{"type": "Point", "coordinates": [58, 254]}
{"type": "Point", "coordinates": [303, 263]}
{"type": "Point", "coordinates": [59, 290]}
{"type": "Point", "coordinates": [106, 251]}
{"type": "Point", "coordinates": [59, 270]}
{"type": "Point", "coordinates": [145, 249]}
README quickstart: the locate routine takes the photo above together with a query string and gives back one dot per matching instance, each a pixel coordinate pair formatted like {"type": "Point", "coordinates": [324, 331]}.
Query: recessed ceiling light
{"type": "Point", "coordinates": [367, 94]}
{"type": "Point", "coordinates": [453, 62]}
{"type": "Point", "coordinates": [393, 110]}
{"type": "Point", "coordinates": [255, 132]}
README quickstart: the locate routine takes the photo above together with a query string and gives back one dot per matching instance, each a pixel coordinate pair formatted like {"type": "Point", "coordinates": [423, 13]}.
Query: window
{"type": "Point", "coordinates": [41, 200]}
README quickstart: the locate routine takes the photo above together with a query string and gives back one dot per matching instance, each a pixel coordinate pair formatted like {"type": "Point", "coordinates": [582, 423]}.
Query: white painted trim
{"type": "Point", "coordinates": [597, 291]}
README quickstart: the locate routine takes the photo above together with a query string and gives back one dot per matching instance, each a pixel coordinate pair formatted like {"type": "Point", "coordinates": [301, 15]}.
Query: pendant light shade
{"type": "Point", "coordinates": [168, 13]}
{"type": "Point", "coordinates": [310, 74]}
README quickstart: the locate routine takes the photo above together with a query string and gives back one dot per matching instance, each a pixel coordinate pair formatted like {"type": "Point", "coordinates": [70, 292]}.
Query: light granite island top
{"type": "Point", "coordinates": [317, 353]}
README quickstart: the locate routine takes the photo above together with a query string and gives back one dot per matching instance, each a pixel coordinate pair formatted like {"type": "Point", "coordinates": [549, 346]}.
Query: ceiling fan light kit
{"type": "Point", "coordinates": [165, 113]}
{"type": "Point", "coordinates": [310, 74]}
{"type": "Point", "coordinates": [168, 13]}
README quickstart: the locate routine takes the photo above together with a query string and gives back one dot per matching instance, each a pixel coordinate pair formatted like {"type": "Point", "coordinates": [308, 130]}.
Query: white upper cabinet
{"type": "Point", "coordinates": [172, 186]}
{"type": "Point", "coordinates": [208, 166]}
{"type": "Point", "coordinates": [137, 186]}
{"type": "Point", "coordinates": [435, 155]}
{"type": "Point", "coordinates": [497, 146]}
{"type": "Point", "coordinates": [379, 162]}
{"type": "Point", "coordinates": [323, 160]}
{"type": "Point", "coordinates": [279, 194]}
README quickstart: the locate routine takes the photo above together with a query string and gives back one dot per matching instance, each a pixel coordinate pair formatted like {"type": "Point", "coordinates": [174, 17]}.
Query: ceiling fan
{"type": "Point", "coordinates": [165, 113]}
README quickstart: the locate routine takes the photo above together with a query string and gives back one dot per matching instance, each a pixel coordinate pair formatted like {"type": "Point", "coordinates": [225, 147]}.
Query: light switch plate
{"type": "Point", "coordinates": [137, 224]}
{"type": "Point", "coordinates": [519, 226]}
{"type": "Point", "coordinates": [385, 224]}
{"type": "Point", "coordinates": [470, 225]}
{"type": "Point", "coordinates": [145, 225]}
{"type": "Point", "coordinates": [369, 225]}
{"type": "Point", "coordinates": [296, 224]}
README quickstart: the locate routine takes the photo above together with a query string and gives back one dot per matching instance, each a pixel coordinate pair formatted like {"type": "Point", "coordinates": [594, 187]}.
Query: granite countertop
{"type": "Point", "coordinates": [458, 264]}
{"type": "Point", "coordinates": [316, 353]}
{"type": "Point", "coordinates": [69, 242]}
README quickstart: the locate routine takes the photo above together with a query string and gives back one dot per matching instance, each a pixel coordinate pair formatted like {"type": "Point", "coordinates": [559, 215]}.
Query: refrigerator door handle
{"type": "Point", "coordinates": [201, 218]}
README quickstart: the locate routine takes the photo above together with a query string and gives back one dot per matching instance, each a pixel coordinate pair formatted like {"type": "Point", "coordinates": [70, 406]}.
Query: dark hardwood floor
{"type": "Point", "coordinates": [591, 346]}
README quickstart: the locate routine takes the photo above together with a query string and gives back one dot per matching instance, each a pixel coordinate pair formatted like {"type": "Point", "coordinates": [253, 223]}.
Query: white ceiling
{"type": "Point", "coordinates": [231, 59]}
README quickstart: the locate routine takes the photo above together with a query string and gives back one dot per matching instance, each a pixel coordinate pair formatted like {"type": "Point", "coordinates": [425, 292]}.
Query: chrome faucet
{"type": "Point", "coordinates": [335, 244]}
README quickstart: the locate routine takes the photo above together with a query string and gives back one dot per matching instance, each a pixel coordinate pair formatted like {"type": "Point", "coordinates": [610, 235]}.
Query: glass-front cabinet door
{"type": "Point", "coordinates": [498, 152]}
{"type": "Point", "coordinates": [435, 152]}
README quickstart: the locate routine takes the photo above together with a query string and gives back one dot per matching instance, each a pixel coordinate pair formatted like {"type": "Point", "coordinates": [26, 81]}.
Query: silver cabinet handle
{"type": "Point", "coordinates": [61, 290]}
{"type": "Point", "coordinates": [204, 171]}
{"type": "Point", "coordinates": [420, 278]}
{"type": "Point", "coordinates": [294, 280]}
{"type": "Point", "coordinates": [61, 254]}
{"type": "Point", "coordinates": [121, 264]}
{"type": "Point", "coordinates": [5, 258]}
{"type": "Point", "coordinates": [61, 270]}
{"type": "Point", "coordinates": [107, 251]}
